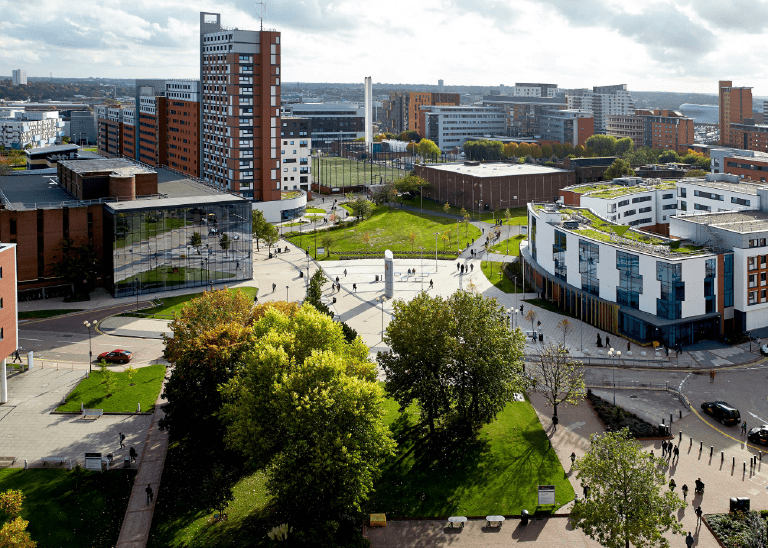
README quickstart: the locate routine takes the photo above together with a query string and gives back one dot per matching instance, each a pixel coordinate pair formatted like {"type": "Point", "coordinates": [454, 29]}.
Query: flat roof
{"type": "Point", "coordinates": [742, 222]}
{"type": "Point", "coordinates": [52, 149]}
{"type": "Point", "coordinates": [178, 186]}
{"type": "Point", "coordinates": [117, 207]}
{"type": "Point", "coordinates": [743, 187]}
{"type": "Point", "coordinates": [25, 191]}
{"type": "Point", "coordinates": [496, 169]}
{"type": "Point", "coordinates": [113, 165]}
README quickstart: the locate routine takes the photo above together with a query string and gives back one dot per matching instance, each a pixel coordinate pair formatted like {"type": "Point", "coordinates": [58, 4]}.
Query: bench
{"type": "Point", "coordinates": [6, 462]}
{"type": "Point", "coordinates": [54, 460]}
{"type": "Point", "coordinates": [494, 519]}
{"type": "Point", "coordinates": [453, 520]}
{"type": "Point", "coordinates": [92, 414]}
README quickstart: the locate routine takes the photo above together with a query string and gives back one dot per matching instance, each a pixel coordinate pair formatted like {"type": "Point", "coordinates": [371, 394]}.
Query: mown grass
{"type": "Point", "coordinates": [510, 246]}
{"type": "Point", "coordinates": [339, 172]}
{"type": "Point", "coordinates": [493, 271]}
{"type": "Point", "coordinates": [126, 393]}
{"type": "Point", "coordinates": [170, 306]}
{"type": "Point", "coordinates": [518, 215]}
{"type": "Point", "coordinates": [65, 511]}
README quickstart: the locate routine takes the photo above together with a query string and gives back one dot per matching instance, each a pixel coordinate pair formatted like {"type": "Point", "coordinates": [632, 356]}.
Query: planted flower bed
{"type": "Point", "coordinates": [739, 529]}
{"type": "Point", "coordinates": [615, 418]}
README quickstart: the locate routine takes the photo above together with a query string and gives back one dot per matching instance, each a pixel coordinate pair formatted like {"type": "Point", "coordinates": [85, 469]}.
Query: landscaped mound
{"type": "Point", "coordinates": [615, 418]}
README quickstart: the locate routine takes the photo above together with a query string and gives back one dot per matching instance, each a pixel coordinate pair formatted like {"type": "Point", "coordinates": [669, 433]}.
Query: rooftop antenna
{"type": "Point", "coordinates": [262, 12]}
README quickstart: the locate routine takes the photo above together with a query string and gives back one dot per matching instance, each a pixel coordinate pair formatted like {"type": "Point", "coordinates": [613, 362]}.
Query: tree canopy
{"type": "Point", "coordinates": [562, 380]}
{"type": "Point", "coordinates": [13, 533]}
{"type": "Point", "coordinates": [619, 168]}
{"type": "Point", "coordinates": [484, 150]}
{"type": "Point", "coordinates": [361, 208]}
{"type": "Point", "coordinates": [602, 145]}
{"type": "Point", "coordinates": [428, 148]}
{"type": "Point", "coordinates": [411, 184]}
{"type": "Point", "coordinates": [463, 365]}
{"type": "Point", "coordinates": [627, 502]}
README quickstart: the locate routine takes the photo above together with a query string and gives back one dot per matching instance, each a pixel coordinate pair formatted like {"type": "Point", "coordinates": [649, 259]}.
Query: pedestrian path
{"type": "Point", "coordinates": [147, 328]}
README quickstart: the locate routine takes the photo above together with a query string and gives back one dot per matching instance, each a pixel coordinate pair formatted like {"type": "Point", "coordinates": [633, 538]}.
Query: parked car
{"type": "Point", "coordinates": [116, 356]}
{"type": "Point", "coordinates": [759, 434]}
{"type": "Point", "coordinates": [213, 231]}
{"type": "Point", "coordinates": [722, 412]}
{"type": "Point", "coordinates": [764, 349]}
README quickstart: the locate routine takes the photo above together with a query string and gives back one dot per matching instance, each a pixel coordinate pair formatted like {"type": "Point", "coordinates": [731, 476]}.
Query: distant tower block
{"type": "Point", "coordinates": [368, 112]}
{"type": "Point", "coordinates": [440, 86]}
{"type": "Point", "coordinates": [389, 274]}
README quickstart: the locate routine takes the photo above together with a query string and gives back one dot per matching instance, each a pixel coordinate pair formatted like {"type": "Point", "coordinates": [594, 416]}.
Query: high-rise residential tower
{"type": "Point", "coordinates": [240, 109]}
{"type": "Point", "coordinates": [735, 107]}
{"type": "Point", "coordinates": [19, 77]}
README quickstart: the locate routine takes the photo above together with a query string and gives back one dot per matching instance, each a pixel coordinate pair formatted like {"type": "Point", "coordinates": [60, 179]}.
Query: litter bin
{"type": "Point", "coordinates": [377, 277]}
{"type": "Point", "coordinates": [664, 429]}
{"type": "Point", "coordinates": [127, 462]}
{"type": "Point", "coordinates": [524, 517]}
{"type": "Point", "coordinates": [541, 337]}
{"type": "Point", "coordinates": [301, 273]}
{"type": "Point", "coordinates": [270, 255]}
{"type": "Point", "coordinates": [740, 504]}
{"type": "Point", "coordinates": [334, 300]}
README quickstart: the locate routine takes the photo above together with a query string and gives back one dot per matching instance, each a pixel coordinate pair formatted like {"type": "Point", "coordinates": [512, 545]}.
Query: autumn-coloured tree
{"type": "Point", "coordinates": [412, 239]}
{"type": "Point", "coordinates": [546, 151]}
{"type": "Point", "coordinates": [13, 533]}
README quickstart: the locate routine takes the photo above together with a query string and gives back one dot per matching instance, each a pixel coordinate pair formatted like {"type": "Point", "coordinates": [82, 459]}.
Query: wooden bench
{"type": "Point", "coordinates": [92, 414]}
{"type": "Point", "coordinates": [6, 462]}
{"type": "Point", "coordinates": [59, 460]}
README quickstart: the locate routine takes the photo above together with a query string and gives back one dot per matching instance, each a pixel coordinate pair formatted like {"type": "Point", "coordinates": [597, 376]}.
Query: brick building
{"type": "Point", "coordinates": [9, 325]}
{"type": "Point", "coordinates": [183, 122]}
{"type": "Point", "coordinates": [475, 186]}
{"type": "Point", "coordinates": [735, 107]}
{"type": "Point", "coordinates": [402, 110]}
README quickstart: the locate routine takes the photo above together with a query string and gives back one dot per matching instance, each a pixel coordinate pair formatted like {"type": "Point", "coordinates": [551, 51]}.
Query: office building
{"type": "Point", "coordinates": [19, 77]}
{"type": "Point", "coordinates": [534, 90]}
{"type": "Point", "coordinates": [19, 129]}
{"type": "Point", "coordinates": [450, 126]}
{"type": "Point", "coordinates": [82, 127]}
{"type": "Point", "coordinates": [331, 122]}
{"type": "Point", "coordinates": [402, 109]}
{"type": "Point", "coordinates": [567, 126]}
{"type": "Point", "coordinates": [240, 109]}
{"type": "Point", "coordinates": [296, 153]}
{"type": "Point", "coordinates": [735, 108]}
{"type": "Point", "coordinates": [602, 101]}
{"type": "Point", "coordinates": [626, 125]}
{"type": "Point", "coordinates": [9, 323]}
{"type": "Point", "coordinates": [659, 129]}
{"type": "Point", "coordinates": [182, 98]}
{"type": "Point", "coordinates": [523, 114]}
{"type": "Point", "coordinates": [48, 157]}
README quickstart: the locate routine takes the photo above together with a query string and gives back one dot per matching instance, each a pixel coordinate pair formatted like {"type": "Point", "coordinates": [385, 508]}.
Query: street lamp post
{"type": "Point", "coordinates": [382, 299]}
{"type": "Point", "coordinates": [436, 233]}
{"type": "Point", "coordinates": [137, 293]}
{"type": "Point", "coordinates": [613, 370]}
{"type": "Point", "coordinates": [88, 325]}
{"type": "Point", "coordinates": [286, 293]}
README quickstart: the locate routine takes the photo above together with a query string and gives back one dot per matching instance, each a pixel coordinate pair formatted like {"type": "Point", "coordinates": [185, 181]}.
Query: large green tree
{"type": "Point", "coordinates": [466, 366]}
{"type": "Point", "coordinates": [259, 225]}
{"type": "Point", "coordinates": [602, 145]}
{"type": "Point", "coordinates": [618, 168]}
{"type": "Point", "coordinates": [428, 149]}
{"type": "Point", "coordinates": [628, 503]}
{"type": "Point", "coordinates": [484, 150]}
{"type": "Point", "coordinates": [361, 208]}
{"type": "Point", "coordinates": [13, 530]}
{"type": "Point", "coordinates": [668, 156]}
{"type": "Point", "coordinates": [411, 184]}
{"type": "Point", "coordinates": [624, 146]}
{"type": "Point", "coordinates": [307, 409]}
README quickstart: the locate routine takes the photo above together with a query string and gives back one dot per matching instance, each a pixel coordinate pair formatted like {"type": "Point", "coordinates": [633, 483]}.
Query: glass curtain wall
{"type": "Point", "coordinates": [172, 248]}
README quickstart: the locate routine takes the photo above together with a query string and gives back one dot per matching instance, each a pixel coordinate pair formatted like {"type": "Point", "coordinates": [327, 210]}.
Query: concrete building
{"type": "Point", "coordinates": [567, 126]}
{"type": "Point", "coordinates": [477, 186]}
{"type": "Point", "coordinates": [588, 170]}
{"type": "Point", "coordinates": [659, 129]}
{"type": "Point", "coordinates": [19, 77]}
{"type": "Point", "coordinates": [296, 153]}
{"type": "Point", "coordinates": [19, 129]}
{"type": "Point", "coordinates": [626, 125]}
{"type": "Point", "coordinates": [534, 90]}
{"type": "Point", "coordinates": [240, 109]}
{"type": "Point", "coordinates": [449, 126]}
{"type": "Point", "coordinates": [402, 109]}
{"type": "Point", "coordinates": [749, 167]}
{"type": "Point", "coordinates": [602, 101]}
{"type": "Point", "coordinates": [735, 108]}
{"type": "Point", "coordinates": [523, 114]}
{"type": "Point", "coordinates": [331, 122]}
{"type": "Point", "coordinates": [82, 127]}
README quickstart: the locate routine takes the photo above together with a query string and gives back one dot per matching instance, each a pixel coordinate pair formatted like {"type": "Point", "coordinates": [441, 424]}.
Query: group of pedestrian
{"type": "Point", "coordinates": [669, 449]}
{"type": "Point", "coordinates": [463, 268]}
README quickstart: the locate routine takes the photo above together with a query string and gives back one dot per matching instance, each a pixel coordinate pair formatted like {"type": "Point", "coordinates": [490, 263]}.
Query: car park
{"type": "Point", "coordinates": [722, 412]}
{"type": "Point", "coordinates": [116, 356]}
{"type": "Point", "coordinates": [759, 434]}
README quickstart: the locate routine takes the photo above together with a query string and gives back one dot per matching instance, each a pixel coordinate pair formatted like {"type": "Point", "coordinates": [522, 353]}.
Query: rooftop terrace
{"type": "Point", "coordinates": [608, 190]}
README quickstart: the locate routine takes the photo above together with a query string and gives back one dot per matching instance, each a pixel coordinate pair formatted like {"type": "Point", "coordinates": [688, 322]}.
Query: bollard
{"type": "Point", "coordinates": [745, 466]}
{"type": "Point", "coordinates": [701, 446]}
{"type": "Point", "coordinates": [662, 421]}
{"type": "Point", "coordinates": [711, 450]}
{"type": "Point", "coordinates": [670, 418]}
{"type": "Point", "coordinates": [81, 407]}
{"type": "Point", "coordinates": [679, 413]}
{"type": "Point", "coordinates": [138, 409]}
{"type": "Point", "coordinates": [26, 465]}
{"type": "Point", "coordinates": [722, 457]}
{"type": "Point", "coordinates": [681, 437]}
{"type": "Point", "coordinates": [734, 462]}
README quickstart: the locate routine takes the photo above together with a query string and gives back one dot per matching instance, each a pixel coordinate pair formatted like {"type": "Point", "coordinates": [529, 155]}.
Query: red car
{"type": "Point", "coordinates": [116, 356]}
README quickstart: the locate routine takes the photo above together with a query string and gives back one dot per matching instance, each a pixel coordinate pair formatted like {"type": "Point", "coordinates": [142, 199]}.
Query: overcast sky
{"type": "Point", "coordinates": [684, 45]}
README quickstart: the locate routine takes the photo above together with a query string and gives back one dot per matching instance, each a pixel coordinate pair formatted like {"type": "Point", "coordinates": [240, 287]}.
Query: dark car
{"type": "Point", "coordinates": [759, 434]}
{"type": "Point", "coordinates": [722, 412]}
{"type": "Point", "coordinates": [116, 356]}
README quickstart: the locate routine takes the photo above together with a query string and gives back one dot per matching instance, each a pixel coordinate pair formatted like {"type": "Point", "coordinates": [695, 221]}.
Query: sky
{"type": "Point", "coordinates": [655, 45]}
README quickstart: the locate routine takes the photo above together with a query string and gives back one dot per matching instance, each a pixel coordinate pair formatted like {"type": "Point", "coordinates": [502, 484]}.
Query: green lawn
{"type": "Point", "coordinates": [314, 210]}
{"type": "Point", "coordinates": [46, 313]}
{"type": "Point", "coordinates": [338, 172]}
{"type": "Point", "coordinates": [496, 474]}
{"type": "Point", "coordinates": [492, 271]}
{"type": "Point", "coordinates": [93, 393]}
{"type": "Point", "coordinates": [170, 306]}
{"type": "Point", "coordinates": [390, 229]}
{"type": "Point", "coordinates": [518, 215]}
{"type": "Point", "coordinates": [62, 513]}
{"type": "Point", "coordinates": [511, 244]}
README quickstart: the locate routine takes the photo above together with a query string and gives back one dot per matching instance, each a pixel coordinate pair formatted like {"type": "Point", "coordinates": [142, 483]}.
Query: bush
{"type": "Point", "coordinates": [739, 529]}
{"type": "Point", "coordinates": [616, 418]}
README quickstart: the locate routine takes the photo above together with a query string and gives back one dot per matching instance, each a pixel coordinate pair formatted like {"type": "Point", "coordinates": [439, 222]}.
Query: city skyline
{"type": "Point", "coordinates": [660, 46]}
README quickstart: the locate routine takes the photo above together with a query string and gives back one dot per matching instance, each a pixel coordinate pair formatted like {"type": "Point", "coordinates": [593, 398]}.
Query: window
{"type": "Point", "coordinates": [702, 207]}
{"type": "Point", "coordinates": [629, 212]}
{"type": "Point", "coordinates": [644, 209]}
{"type": "Point", "coordinates": [752, 297]}
{"type": "Point", "coordinates": [669, 305]}
{"type": "Point", "coordinates": [740, 201]}
{"type": "Point", "coordinates": [630, 281]}
{"type": "Point", "coordinates": [728, 280]}
{"type": "Point", "coordinates": [752, 263]}
{"type": "Point", "coordinates": [641, 199]}
{"type": "Point", "coordinates": [669, 206]}
{"type": "Point", "coordinates": [558, 255]}
{"type": "Point", "coordinates": [589, 256]}
{"type": "Point", "coordinates": [753, 280]}
{"type": "Point", "coordinates": [683, 206]}
{"type": "Point", "coordinates": [667, 196]}
{"type": "Point", "coordinates": [681, 192]}
{"type": "Point", "coordinates": [623, 203]}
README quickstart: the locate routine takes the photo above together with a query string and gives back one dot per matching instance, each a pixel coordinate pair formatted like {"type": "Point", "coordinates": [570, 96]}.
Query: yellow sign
{"type": "Point", "coordinates": [656, 344]}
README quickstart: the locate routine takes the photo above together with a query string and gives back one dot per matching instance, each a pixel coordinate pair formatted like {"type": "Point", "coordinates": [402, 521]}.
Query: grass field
{"type": "Point", "coordinates": [390, 229]}
{"type": "Point", "coordinates": [93, 393]}
{"type": "Point", "coordinates": [518, 215]}
{"type": "Point", "coordinates": [171, 305]}
{"type": "Point", "coordinates": [497, 278]}
{"type": "Point", "coordinates": [512, 245]}
{"type": "Point", "coordinates": [32, 314]}
{"type": "Point", "coordinates": [495, 474]}
{"type": "Point", "coordinates": [64, 512]}
{"type": "Point", "coordinates": [337, 172]}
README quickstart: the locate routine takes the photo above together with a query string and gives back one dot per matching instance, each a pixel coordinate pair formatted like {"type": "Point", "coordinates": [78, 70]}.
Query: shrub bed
{"type": "Point", "coordinates": [615, 418]}
{"type": "Point", "coordinates": [739, 529]}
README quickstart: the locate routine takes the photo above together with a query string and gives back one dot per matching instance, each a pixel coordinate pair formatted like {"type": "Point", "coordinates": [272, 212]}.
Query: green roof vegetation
{"type": "Point", "coordinates": [613, 191]}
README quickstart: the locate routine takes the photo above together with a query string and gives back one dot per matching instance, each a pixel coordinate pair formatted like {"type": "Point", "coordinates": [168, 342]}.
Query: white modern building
{"type": "Point", "coordinates": [534, 90]}
{"type": "Point", "coordinates": [331, 122]}
{"type": "Point", "coordinates": [602, 101]}
{"type": "Point", "coordinates": [19, 77]}
{"type": "Point", "coordinates": [296, 154]}
{"type": "Point", "coordinates": [450, 126]}
{"type": "Point", "coordinates": [19, 128]}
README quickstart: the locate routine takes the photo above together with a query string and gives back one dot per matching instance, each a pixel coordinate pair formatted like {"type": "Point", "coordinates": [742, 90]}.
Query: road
{"type": "Point", "coordinates": [65, 338]}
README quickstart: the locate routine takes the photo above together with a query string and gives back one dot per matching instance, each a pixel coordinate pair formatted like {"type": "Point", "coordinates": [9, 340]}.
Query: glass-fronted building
{"type": "Point", "coordinates": [174, 243]}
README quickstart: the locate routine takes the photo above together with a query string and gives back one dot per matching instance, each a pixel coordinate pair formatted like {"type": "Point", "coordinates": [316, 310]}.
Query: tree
{"type": "Point", "coordinates": [270, 235]}
{"type": "Point", "coordinates": [565, 326]}
{"type": "Point", "coordinates": [428, 148]}
{"type": "Point", "coordinates": [315, 292]}
{"type": "Point", "coordinates": [411, 185]}
{"type": "Point", "coordinates": [536, 151]}
{"type": "Point", "coordinates": [259, 225]}
{"type": "Point", "coordinates": [224, 243]}
{"type": "Point", "coordinates": [196, 241]}
{"type": "Point", "coordinates": [624, 146]}
{"type": "Point", "coordinates": [628, 503]}
{"type": "Point", "coordinates": [327, 240]}
{"type": "Point", "coordinates": [78, 265]}
{"type": "Point", "coordinates": [561, 378]}
{"type": "Point", "coordinates": [446, 208]}
{"type": "Point", "coordinates": [668, 156]}
{"type": "Point", "coordinates": [510, 150]}
{"type": "Point", "coordinates": [465, 220]}
{"type": "Point", "coordinates": [412, 239]}
{"type": "Point", "coordinates": [531, 317]}
{"type": "Point", "coordinates": [523, 150]}
{"type": "Point", "coordinates": [483, 150]}
{"type": "Point", "coordinates": [618, 168]}
{"type": "Point", "coordinates": [445, 237]}
{"type": "Point", "coordinates": [5, 166]}
{"type": "Point", "coordinates": [306, 408]}
{"type": "Point", "coordinates": [602, 145]}
{"type": "Point", "coordinates": [218, 488]}
{"type": "Point", "coordinates": [361, 208]}
{"type": "Point", "coordinates": [13, 533]}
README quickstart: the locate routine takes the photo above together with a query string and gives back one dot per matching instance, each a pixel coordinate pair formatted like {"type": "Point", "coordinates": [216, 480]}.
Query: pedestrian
{"type": "Point", "coordinates": [684, 489]}
{"type": "Point", "coordinates": [629, 346]}
{"type": "Point", "coordinates": [16, 356]}
{"type": "Point", "coordinates": [586, 491]}
{"type": "Point", "coordinates": [431, 284]}
{"type": "Point", "coordinates": [664, 448]}
{"type": "Point", "coordinates": [150, 494]}
{"type": "Point", "coordinates": [666, 351]}
{"type": "Point", "coordinates": [652, 454]}
{"type": "Point", "coordinates": [337, 279]}
{"type": "Point", "coordinates": [672, 484]}
{"type": "Point", "coordinates": [472, 268]}
{"type": "Point", "coordinates": [677, 454]}
{"type": "Point", "coordinates": [483, 231]}
{"type": "Point", "coordinates": [607, 342]}
{"type": "Point", "coordinates": [132, 453]}
{"type": "Point", "coordinates": [457, 267]}
{"type": "Point", "coordinates": [689, 540]}
{"type": "Point", "coordinates": [323, 200]}
{"type": "Point", "coordinates": [462, 269]}
{"type": "Point", "coordinates": [712, 375]}
{"type": "Point", "coordinates": [274, 286]}
{"type": "Point", "coordinates": [345, 272]}
{"type": "Point", "coordinates": [699, 513]}
{"type": "Point", "coordinates": [255, 299]}
{"type": "Point", "coordinates": [573, 458]}
{"type": "Point", "coordinates": [122, 439]}
{"type": "Point", "coordinates": [599, 341]}
{"type": "Point", "coordinates": [555, 421]}
{"type": "Point", "coordinates": [521, 310]}
{"type": "Point", "coordinates": [338, 287]}
{"type": "Point", "coordinates": [354, 287]}
{"type": "Point", "coordinates": [744, 427]}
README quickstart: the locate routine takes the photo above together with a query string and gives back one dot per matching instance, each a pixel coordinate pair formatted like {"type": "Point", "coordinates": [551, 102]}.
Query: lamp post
{"type": "Point", "coordinates": [88, 325]}
{"type": "Point", "coordinates": [286, 293]}
{"type": "Point", "coordinates": [436, 233]}
{"type": "Point", "coordinates": [613, 370]}
{"type": "Point", "coordinates": [382, 299]}
{"type": "Point", "coordinates": [138, 286]}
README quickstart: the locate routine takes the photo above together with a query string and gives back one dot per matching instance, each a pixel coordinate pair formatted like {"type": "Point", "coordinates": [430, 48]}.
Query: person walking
{"type": "Point", "coordinates": [573, 458]}
{"type": "Point", "coordinates": [354, 287]}
{"type": "Point", "coordinates": [684, 489]}
{"type": "Point", "coordinates": [664, 448]}
{"type": "Point", "coordinates": [676, 458]}
{"type": "Point", "coordinates": [431, 284]}
{"type": "Point", "coordinates": [345, 272]}
{"type": "Point", "coordinates": [457, 266]}
{"type": "Point", "coordinates": [672, 484]}
{"type": "Point", "coordinates": [586, 491]}
{"type": "Point", "coordinates": [150, 494]}
{"type": "Point", "coordinates": [607, 342]}
{"type": "Point", "coordinates": [16, 356]}
{"type": "Point", "coordinates": [711, 375]}
{"type": "Point", "coordinates": [274, 286]}
{"type": "Point", "coordinates": [132, 453]}
{"type": "Point", "coordinates": [699, 513]}
{"type": "Point", "coordinates": [337, 279]}
{"type": "Point", "coordinates": [744, 427]}
{"type": "Point", "coordinates": [689, 540]}
{"type": "Point", "coordinates": [462, 270]}
{"type": "Point", "coordinates": [472, 268]}
{"type": "Point", "coordinates": [121, 436]}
